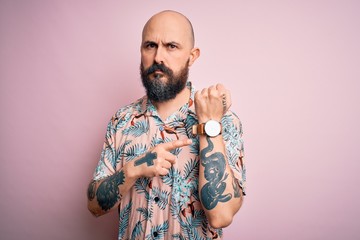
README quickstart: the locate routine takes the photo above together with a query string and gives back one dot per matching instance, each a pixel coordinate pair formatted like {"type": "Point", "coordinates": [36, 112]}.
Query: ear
{"type": "Point", "coordinates": [194, 54]}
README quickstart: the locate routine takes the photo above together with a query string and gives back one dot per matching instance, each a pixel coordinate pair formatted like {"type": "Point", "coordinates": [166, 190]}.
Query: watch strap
{"type": "Point", "coordinates": [198, 129]}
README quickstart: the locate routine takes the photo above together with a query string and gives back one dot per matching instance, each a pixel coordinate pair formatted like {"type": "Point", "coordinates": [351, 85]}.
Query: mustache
{"type": "Point", "coordinates": [156, 67]}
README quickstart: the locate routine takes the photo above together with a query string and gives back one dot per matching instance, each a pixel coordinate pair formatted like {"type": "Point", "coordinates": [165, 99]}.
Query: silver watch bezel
{"type": "Point", "coordinates": [212, 128]}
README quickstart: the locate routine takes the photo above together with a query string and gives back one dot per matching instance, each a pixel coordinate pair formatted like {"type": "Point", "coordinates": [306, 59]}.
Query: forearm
{"type": "Point", "coordinates": [220, 194]}
{"type": "Point", "coordinates": [106, 194]}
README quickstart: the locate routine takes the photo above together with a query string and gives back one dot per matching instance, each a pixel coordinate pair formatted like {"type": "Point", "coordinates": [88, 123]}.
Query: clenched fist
{"type": "Point", "coordinates": [212, 103]}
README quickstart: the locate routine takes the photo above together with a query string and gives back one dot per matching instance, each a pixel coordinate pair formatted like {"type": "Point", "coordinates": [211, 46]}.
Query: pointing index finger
{"type": "Point", "coordinates": [176, 144]}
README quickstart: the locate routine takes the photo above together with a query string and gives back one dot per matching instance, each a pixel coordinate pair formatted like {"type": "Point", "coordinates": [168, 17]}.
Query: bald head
{"type": "Point", "coordinates": [172, 24]}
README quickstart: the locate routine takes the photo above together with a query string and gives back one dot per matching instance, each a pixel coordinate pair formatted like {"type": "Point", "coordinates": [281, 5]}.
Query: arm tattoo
{"type": "Point", "coordinates": [148, 159]}
{"type": "Point", "coordinates": [91, 190]}
{"type": "Point", "coordinates": [236, 188]}
{"type": "Point", "coordinates": [214, 173]}
{"type": "Point", "coordinates": [108, 192]}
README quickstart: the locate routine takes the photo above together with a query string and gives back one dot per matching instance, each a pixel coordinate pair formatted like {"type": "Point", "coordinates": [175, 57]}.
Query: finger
{"type": "Point", "coordinates": [176, 144]}
{"type": "Point", "coordinates": [222, 91]}
{"type": "Point", "coordinates": [197, 94]}
{"type": "Point", "coordinates": [220, 87]}
{"type": "Point", "coordinates": [166, 164]}
{"type": "Point", "coordinates": [211, 88]}
{"type": "Point", "coordinates": [204, 92]}
{"type": "Point", "coordinates": [213, 91]}
{"type": "Point", "coordinates": [170, 157]}
{"type": "Point", "coordinates": [163, 171]}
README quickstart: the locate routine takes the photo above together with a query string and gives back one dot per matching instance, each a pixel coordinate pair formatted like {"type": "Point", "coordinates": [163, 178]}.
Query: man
{"type": "Point", "coordinates": [172, 161]}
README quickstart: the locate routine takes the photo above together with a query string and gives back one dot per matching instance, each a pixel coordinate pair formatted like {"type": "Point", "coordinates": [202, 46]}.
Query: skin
{"type": "Point", "coordinates": [218, 193]}
{"type": "Point", "coordinates": [173, 47]}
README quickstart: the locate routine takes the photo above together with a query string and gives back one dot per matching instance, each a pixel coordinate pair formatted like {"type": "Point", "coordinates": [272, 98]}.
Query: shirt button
{"type": "Point", "coordinates": [161, 128]}
{"type": "Point", "coordinates": [156, 199]}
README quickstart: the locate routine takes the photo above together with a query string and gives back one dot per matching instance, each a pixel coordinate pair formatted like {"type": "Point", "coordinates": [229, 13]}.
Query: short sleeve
{"type": "Point", "coordinates": [232, 134]}
{"type": "Point", "coordinates": [107, 163]}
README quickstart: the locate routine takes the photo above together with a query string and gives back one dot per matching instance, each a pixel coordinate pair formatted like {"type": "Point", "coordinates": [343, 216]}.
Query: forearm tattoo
{"type": "Point", "coordinates": [91, 190]}
{"type": "Point", "coordinates": [108, 192]}
{"type": "Point", "coordinates": [214, 173]}
{"type": "Point", "coordinates": [148, 159]}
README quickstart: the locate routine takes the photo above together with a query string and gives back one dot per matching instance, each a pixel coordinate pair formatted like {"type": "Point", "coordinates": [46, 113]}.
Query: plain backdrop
{"type": "Point", "coordinates": [292, 67]}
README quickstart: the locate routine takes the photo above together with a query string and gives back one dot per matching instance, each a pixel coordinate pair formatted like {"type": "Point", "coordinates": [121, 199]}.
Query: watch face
{"type": "Point", "coordinates": [212, 128]}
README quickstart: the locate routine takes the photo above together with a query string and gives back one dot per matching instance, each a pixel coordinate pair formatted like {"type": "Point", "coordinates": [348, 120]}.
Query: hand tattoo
{"type": "Point", "coordinates": [224, 103]}
{"type": "Point", "coordinates": [148, 159]}
{"type": "Point", "coordinates": [108, 192]}
{"type": "Point", "coordinates": [214, 172]}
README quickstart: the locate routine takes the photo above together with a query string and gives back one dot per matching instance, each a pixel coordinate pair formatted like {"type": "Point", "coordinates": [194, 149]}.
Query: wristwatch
{"type": "Point", "coordinates": [211, 128]}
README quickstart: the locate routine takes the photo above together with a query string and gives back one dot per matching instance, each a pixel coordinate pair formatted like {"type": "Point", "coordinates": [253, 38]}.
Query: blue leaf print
{"type": "Point", "coordinates": [178, 236]}
{"type": "Point", "coordinates": [124, 219]}
{"type": "Point", "coordinates": [175, 208]}
{"type": "Point", "coordinates": [204, 226]}
{"type": "Point", "coordinates": [110, 131]}
{"type": "Point", "coordinates": [232, 159]}
{"type": "Point", "coordinates": [197, 219]}
{"type": "Point", "coordinates": [137, 230]}
{"type": "Point", "coordinates": [191, 169]}
{"type": "Point", "coordinates": [176, 151]}
{"type": "Point", "coordinates": [138, 129]}
{"type": "Point", "coordinates": [123, 120]}
{"type": "Point", "coordinates": [121, 149]}
{"type": "Point", "coordinates": [110, 153]}
{"type": "Point", "coordinates": [191, 232]}
{"type": "Point", "coordinates": [194, 147]}
{"type": "Point", "coordinates": [162, 197]}
{"type": "Point", "coordinates": [189, 122]}
{"type": "Point", "coordinates": [169, 178]}
{"type": "Point", "coordinates": [145, 212]}
{"type": "Point", "coordinates": [135, 151]}
{"type": "Point", "coordinates": [155, 141]}
{"type": "Point", "coordinates": [158, 232]}
{"type": "Point", "coordinates": [141, 186]}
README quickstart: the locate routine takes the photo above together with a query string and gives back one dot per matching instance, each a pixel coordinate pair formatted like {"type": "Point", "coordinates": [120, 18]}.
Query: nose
{"type": "Point", "coordinates": [159, 56]}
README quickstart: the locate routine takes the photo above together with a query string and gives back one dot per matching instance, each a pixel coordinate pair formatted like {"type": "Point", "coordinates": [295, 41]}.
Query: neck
{"type": "Point", "coordinates": [165, 109]}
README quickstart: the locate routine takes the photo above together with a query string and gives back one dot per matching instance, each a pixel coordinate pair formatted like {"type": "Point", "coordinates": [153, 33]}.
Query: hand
{"type": "Point", "coordinates": [212, 103]}
{"type": "Point", "coordinates": [159, 160]}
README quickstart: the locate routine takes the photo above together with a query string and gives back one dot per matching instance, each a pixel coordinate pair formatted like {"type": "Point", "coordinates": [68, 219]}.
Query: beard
{"type": "Point", "coordinates": [158, 90]}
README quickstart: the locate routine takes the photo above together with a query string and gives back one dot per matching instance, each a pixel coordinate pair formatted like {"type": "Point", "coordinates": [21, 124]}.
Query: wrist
{"type": "Point", "coordinates": [210, 128]}
{"type": "Point", "coordinates": [206, 119]}
{"type": "Point", "coordinates": [131, 172]}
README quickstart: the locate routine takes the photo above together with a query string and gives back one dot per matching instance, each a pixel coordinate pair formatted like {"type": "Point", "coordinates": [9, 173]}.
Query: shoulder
{"type": "Point", "coordinates": [125, 113]}
{"type": "Point", "coordinates": [232, 126]}
{"type": "Point", "coordinates": [230, 117]}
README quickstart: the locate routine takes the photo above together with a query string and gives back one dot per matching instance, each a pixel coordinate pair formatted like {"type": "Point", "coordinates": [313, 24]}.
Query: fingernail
{"type": "Point", "coordinates": [189, 141]}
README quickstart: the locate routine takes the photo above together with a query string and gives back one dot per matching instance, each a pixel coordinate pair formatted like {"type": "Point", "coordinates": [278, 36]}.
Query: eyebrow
{"type": "Point", "coordinates": [172, 42]}
{"type": "Point", "coordinates": [166, 43]}
{"type": "Point", "coordinates": [149, 42]}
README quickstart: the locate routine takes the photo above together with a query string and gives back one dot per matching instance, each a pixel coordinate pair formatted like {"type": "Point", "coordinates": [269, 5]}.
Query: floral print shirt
{"type": "Point", "coordinates": [166, 207]}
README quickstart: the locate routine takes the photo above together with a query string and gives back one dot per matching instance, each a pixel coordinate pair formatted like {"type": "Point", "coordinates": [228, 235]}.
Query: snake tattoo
{"type": "Point", "coordinates": [214, 173]}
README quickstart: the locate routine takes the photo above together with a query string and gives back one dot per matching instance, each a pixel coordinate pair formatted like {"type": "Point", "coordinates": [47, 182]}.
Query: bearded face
{"type": "Point", "coordinates": [161, 83]}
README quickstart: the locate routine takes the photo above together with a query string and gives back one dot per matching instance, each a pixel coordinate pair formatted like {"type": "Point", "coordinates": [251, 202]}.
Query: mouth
{"type": "Point", "coordinates": [159, 72]}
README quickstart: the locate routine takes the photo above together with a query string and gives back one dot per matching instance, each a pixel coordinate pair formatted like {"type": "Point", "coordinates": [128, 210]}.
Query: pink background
{"type": "Point", "coordinates": [292, 66]}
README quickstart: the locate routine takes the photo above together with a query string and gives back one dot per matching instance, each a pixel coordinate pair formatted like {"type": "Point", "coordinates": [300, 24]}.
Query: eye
{"type": "Point", "coordinates": [150, 45]}
{"type": "Point", "coordinates": [172, 46]}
